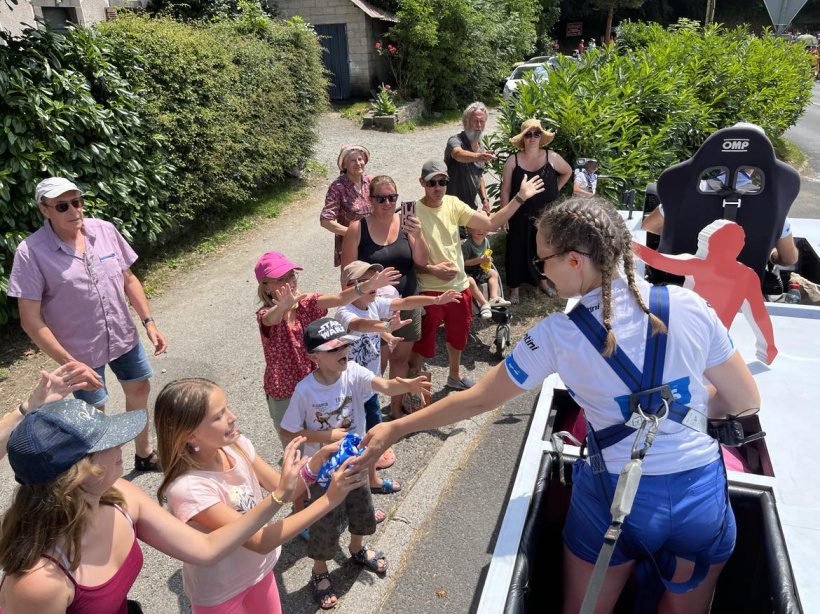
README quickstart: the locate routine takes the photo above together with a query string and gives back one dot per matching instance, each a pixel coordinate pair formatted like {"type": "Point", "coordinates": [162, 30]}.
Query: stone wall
{"type": "Point", "coordinates": [359, 29]}
{"type": "Point", "coordinates": [87, 12]}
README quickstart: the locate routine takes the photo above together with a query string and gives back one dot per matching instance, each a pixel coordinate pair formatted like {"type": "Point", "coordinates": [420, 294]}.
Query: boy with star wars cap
{"type": "Point", "coordinates": [325, 406]}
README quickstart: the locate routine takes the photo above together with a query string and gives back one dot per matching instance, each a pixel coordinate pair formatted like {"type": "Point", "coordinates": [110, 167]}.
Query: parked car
{"type": "Point", "coordinates": [536, 71]}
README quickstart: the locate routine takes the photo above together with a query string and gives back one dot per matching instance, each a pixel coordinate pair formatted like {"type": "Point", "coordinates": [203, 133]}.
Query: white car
{"type": "Point", "coordinates": [536, 71]}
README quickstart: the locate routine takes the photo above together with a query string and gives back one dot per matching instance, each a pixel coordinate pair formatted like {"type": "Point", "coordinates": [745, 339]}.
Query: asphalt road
{"type": "Point", "coordinates": [806, 135]}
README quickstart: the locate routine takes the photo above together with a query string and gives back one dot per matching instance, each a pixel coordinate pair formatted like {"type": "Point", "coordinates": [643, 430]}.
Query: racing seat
{"type": "Point", "coordinates": [736, 176]}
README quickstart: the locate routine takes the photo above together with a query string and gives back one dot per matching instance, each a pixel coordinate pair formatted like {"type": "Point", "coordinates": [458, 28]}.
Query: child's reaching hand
{"type": "Point", "coordinates": [396, 322]}
{"type": "Point", "coordinates": [386, 277]}
{"type": "Point", "coordinates": [339, 434]}
{"type": "Point", "coordinates": [417, 386]}
{"type": "Point", "coordinates": [346, 478]}
{"type": "Point", "coordinates": [291, 465]}
{"type": "Point", "coordinates": [391, 340]}
{"type": "Point", "coordinates": [450, 296]}
{"type": "Point", "coordinates": [285, 297]}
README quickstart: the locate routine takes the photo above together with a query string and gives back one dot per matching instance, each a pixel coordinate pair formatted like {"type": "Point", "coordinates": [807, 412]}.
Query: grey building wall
{"type": "Point", "coordinates": [87, 12]}
{"type": "Point", "coordinates": [361, 54]}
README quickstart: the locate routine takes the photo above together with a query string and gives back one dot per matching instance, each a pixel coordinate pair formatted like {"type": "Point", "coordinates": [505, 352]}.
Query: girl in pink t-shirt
{"type": "Point", "coordinates": [213, 476]}
{"type": "Point", "coordinates": [282, 320]}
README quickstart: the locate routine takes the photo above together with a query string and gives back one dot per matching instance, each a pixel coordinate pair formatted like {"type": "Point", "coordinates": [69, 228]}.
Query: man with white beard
{"type": "Point", "coordinates": [465, 157]}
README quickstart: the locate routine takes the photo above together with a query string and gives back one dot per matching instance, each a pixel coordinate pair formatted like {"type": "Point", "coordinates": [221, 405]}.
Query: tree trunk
{"type": "Point", "coordinates": [710, 12]}
{"type": "Point", "coordinates": [609, 24]}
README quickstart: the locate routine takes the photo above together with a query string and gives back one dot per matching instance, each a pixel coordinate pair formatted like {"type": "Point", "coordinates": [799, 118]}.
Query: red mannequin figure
{"type": "Point", "coordinates": [716, 275]}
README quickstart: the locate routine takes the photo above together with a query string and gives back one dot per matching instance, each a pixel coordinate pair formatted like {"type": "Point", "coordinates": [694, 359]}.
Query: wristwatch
{"type": "Point", "coordinates": [145, 321]}
{"type": "Point", "coordinates": [356, 287]}
{"type": "Point", "coordinates": [387, 326]}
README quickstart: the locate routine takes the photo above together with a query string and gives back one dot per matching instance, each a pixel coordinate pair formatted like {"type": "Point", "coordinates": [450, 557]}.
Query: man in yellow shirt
{"type": "Point", "coordinates": [440, 217]}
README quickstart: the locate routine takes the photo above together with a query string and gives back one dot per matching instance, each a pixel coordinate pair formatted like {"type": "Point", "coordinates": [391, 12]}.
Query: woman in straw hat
{"type": "Point", "coordinates": [348, 197]}
{"type": "Point", "coordinates": [534, 159]}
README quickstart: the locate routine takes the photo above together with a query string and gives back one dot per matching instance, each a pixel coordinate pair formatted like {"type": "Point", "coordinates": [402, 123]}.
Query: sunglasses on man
{"type": "Point", "coordinates": [62, 207]}
{"type": "Point", "coordinates": [381, 198]}
{"type": "Point", "coordinates": [431, 183]}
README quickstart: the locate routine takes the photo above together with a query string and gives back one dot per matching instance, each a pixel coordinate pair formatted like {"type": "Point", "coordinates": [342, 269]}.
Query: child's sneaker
{"type": "Point", "coordinates": [499, 302]}
{"type": "Point", "coordinates": [486, 311]}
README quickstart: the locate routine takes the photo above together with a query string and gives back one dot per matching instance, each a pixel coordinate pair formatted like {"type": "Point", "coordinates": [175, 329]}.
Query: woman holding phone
{"type": "Point", "coordinates": [391, 239]}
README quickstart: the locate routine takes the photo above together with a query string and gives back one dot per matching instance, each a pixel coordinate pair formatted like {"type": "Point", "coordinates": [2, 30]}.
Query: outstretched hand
{"type": "Point", "coordinates": [285, 297]}
{"type": "Point", "coordinates": [450, 296]}
{"type": "Point", "coordinates": [376, 441]}
{"type": "Point", "coordinates": [386, 277]}
{"type": "Point", "coordinates": [396, 322]}
{"type": "Point", "coordinates": [60, 383]}
{"type": "Point", "coordinates": [418, 385]}
{"type": "Point", "coordinates": [349, 476]}
{"type": "Point", "coordinates": [530, 186]}
{"type": "Point", "coordinates": [292, 463]}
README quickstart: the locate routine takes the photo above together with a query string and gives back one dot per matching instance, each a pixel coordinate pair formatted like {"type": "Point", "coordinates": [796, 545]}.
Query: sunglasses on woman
{"type": "Point", "coordinates": [383, 197]}
{"type": "Point", "coordinates": [533, 135]}
{"type": "Point", "coordinates": [539, 263]}
{"type": "Point", "coordinates": [431, 183]}
{"type": "Point", "coordinates": [62, 207]}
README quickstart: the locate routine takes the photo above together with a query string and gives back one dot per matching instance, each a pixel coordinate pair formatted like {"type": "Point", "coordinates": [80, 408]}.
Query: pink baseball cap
{"type": "Point", "coordinates": [273, 265]}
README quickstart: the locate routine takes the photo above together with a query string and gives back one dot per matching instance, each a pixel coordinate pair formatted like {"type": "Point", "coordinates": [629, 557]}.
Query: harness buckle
{"type": "Point", "coordinates": [666, 396]}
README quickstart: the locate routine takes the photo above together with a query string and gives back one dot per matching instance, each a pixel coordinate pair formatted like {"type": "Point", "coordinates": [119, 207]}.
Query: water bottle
{"type": "Point", "coordinates": [486, 266]}
{"type": "Point", "coordinates": [793, 296]}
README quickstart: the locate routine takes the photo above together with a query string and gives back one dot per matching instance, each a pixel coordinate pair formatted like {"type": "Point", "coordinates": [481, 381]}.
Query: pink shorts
{"type": "Point", "coordinates": [456, 317]}
{"type": "Point", "coordinates": [261, 597]}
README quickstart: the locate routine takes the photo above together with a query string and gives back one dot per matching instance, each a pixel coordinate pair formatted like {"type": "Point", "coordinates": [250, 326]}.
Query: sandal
{"type": "Point", "coordinates": [515, 299]}
{"type": "Point", "coordinates": [376, 516]}
{"type": "Point", "coordinates": [320, 593]}
{"type": "Point", "coordinates": [147, 463]}
{"type": "Point", "coordinates": [386, 460]}
{"type": "Point", "coordinates": [388, 487]}
{"type": "Point", "coordinates": [372, 563]}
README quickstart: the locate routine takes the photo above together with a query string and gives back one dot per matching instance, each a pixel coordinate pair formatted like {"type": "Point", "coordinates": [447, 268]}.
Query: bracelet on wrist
{"type": "Point", "coordinates": [519, 199]}
{"type": "Point", "coordinates": [356, 288]}
{"type": "Point", "coordinates": [22, 410]}
{"type": "Point", "coordinates": [276, 499]}
{"type": "Point", "coordinates": [145, 321]}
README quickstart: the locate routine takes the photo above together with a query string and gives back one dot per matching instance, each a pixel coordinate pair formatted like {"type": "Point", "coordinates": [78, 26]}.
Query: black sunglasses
{"type": "Point", "coordinates": [538, 263]}
{"type": "Point", "coordinates": [532, 135]}
{"type": "Point", "coordinates": [383, 197]}
{"type": "Point", "coordinates": [431, 183]}
{"type": "Point", "coordinates": [62, 207]}
{"type": "Point", "coordinates": [338, 349]}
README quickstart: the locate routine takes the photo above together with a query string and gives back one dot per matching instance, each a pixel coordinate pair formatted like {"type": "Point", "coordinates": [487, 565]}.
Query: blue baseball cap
{"type": "Point", "coordinates": [58, 434]}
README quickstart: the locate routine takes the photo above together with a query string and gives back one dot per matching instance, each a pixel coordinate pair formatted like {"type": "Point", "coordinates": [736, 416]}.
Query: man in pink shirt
{"type": "Point", "coordinates": [71, 279]}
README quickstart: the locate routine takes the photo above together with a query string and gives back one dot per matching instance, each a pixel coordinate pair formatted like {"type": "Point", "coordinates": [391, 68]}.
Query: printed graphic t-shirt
{"type": "Point", "coordinates": [367, 350]}
{"type": "Point", "coordinates": [317, 407]}
{"type": "Point", "coordinates": [696, 341]}
{"type": "Point", "coordinates": [239, 489]}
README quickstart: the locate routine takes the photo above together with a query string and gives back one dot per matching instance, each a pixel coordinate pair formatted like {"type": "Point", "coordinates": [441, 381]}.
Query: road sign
{"type": "Point", "coordinates": [575, 29]}
{"type": "Point", "coordinates": [782, 12]}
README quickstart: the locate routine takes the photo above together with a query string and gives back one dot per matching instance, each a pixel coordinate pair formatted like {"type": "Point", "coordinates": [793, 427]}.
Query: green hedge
{"type": "Point", "coordinates": [238, 110]}
{"type": "Point", "coordinates": [160, 122]}
{"type": "Point", "coordinates": [651, 101]}
{"type": "Point", "coordinates": [66, 110]}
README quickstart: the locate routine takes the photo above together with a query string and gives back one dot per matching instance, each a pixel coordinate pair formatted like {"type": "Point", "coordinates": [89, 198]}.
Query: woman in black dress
{"type": "Point", "coordinates": [532, 160]}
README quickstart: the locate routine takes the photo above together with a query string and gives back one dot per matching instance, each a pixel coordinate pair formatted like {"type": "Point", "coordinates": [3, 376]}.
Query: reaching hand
{"type": "Point", "coordinates": [485, 156]}
{"type": "Point", "coordinates": [417, 386]}
{"type": "Point", "coordinates": [530, 187]}
{"type": "Point", "coordinates": [59, 384]}
{"type": "Point", "coordinates": [391, 340]}
{"type": "Point", "coordinates": [396, 322]}
{"type": "Point", "coordinates": [339, 434]}
{"type": "Point", "coordinates": [349, 476]}
{"type": "Point", "coordinates": [385, 277]}
{"type": "Point", "coordinates": [376, 441]}
{"type": "Point", "coordinates": [292, 463]}
{"type": "Point", "coordinates": [285, 297]}
{"type": "Point", "coordinates": [450, 296]}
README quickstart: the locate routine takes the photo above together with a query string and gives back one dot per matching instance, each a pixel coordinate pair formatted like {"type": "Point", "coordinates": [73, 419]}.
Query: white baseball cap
{"type": "Point", "coordinates": [53, 187]}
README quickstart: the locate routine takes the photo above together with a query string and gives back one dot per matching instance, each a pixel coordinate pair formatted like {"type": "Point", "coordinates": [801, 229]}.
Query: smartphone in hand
{"type": "Point", "coordinates": [408, 208]}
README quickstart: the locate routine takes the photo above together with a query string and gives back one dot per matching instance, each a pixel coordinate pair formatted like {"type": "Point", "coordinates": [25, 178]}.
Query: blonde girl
{"type": "Point", "coordinates": [212, 478]}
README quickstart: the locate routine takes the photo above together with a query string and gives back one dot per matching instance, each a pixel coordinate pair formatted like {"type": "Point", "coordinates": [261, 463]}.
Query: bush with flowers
{"type": "Point", "coordinates": [385, 101]}
{"type": "Point", "coordinates": [396, 60]}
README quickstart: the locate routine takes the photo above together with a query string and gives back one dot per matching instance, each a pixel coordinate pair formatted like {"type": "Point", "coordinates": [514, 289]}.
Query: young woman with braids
{"type": "Point", "coordinates": [584, 248]}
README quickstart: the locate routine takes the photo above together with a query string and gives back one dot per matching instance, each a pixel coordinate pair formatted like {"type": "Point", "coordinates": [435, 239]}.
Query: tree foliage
{"type": "Point", "coordinates": [651, 101]}
{"type": "Point", "coordinates": [460, 50]}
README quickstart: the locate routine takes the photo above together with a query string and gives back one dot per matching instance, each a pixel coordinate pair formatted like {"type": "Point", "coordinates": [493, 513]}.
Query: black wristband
{"type": "Point", "coordinates": [145, 321]}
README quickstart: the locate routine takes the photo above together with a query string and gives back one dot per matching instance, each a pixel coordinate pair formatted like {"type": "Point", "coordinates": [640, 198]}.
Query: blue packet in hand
{"type": "Point", "coordinates": [347, 447]}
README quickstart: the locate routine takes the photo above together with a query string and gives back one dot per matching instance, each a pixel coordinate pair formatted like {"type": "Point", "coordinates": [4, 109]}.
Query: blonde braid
{"type": "Point", "coordinates": [629, 268]}
{"type": "Point", "coordinates": [606, 298]}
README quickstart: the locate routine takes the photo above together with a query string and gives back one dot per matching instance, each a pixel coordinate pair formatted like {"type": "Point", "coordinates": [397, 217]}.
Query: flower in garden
{"type": "Point", "coordinates": [378, 45]}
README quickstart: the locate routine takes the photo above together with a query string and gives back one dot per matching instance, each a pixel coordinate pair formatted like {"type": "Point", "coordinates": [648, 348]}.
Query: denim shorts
{"type": "Point", "coordinates": [133, 366]}
{"type": "Point", "coordinates": [683, 511]}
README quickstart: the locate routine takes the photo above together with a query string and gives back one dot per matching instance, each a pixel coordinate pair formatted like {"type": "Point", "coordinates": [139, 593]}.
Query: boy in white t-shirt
{"type": "Point", "coordinates": [372, 318]}
{"type": "Point", "coordinates": [325, 406]}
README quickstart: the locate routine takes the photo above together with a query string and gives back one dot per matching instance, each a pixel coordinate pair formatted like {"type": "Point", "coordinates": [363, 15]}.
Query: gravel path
{"type": "Point", "coordinates": [207, 315]}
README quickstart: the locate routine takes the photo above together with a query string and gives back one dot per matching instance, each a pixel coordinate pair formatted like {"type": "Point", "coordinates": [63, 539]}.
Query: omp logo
{"type": "Point", "coordinates": [735, 145]}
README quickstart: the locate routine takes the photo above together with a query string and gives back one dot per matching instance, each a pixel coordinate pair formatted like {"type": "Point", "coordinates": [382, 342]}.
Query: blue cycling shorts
{"type": "Point", "coordinates": [684, 512]}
